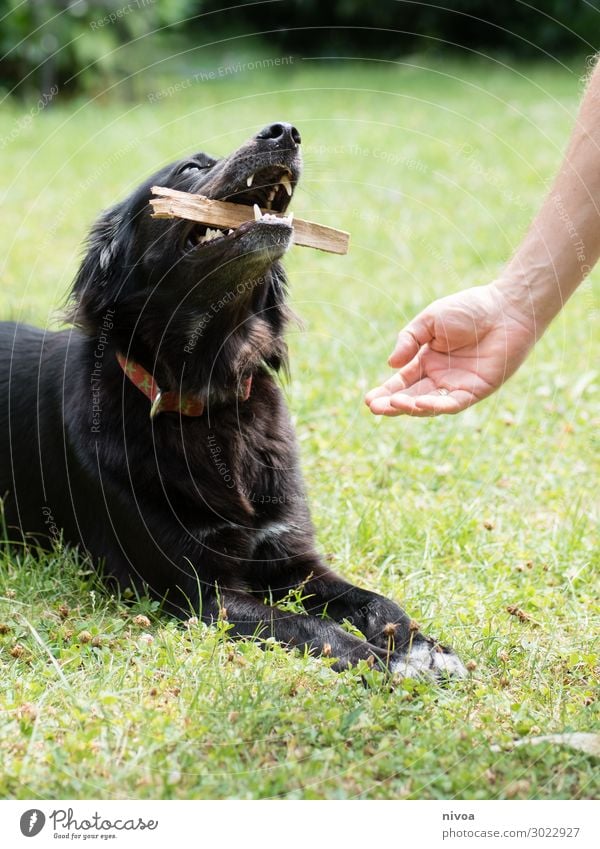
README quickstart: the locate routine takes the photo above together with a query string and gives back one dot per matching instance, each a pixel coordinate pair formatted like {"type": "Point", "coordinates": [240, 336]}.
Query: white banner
{"type": "Point", "coordinates": [300, 825]}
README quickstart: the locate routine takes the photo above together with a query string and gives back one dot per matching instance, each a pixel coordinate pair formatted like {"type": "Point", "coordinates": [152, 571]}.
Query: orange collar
{"type": "Point", "coordinates": [168, 402]}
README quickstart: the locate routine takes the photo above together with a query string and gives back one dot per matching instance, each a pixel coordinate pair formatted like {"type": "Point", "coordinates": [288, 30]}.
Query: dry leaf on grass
{"type": "Point", "coordinates": [514, 610]}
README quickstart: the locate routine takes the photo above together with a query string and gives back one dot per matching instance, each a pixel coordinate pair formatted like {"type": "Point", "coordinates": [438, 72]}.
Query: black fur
{"type": "Point", "coordinates": [208, 513]}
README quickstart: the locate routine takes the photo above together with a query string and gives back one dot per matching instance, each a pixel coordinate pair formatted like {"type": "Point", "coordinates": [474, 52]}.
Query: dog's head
{"type": "Point", "coordinates": [194, 302]}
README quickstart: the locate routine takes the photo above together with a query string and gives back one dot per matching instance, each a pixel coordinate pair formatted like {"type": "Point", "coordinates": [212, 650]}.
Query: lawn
{"type": "Point", "coordinates": [436, 172]}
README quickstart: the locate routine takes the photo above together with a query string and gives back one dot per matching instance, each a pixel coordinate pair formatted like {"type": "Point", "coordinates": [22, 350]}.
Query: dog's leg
{"type": "Point", "coordinates": [384, 624]}
{"type": "Point", "coordinates": [251, 618]}
{"type": "Point", "coordinates": [408, 651]}
{"type": "Point", "coordinates": [287, 559]}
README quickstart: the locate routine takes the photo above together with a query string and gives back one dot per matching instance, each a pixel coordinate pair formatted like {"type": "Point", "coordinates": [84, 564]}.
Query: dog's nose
{"type": "Point", "coordinates": [280, 135]}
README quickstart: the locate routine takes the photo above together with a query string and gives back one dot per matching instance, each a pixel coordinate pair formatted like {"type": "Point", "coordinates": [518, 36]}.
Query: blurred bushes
{"type": "Point", "coordinates": [74, 44]}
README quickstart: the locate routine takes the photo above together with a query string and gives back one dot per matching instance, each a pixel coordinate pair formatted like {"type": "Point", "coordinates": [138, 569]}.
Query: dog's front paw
{"type": "Point", "coordinates": [428, 660]}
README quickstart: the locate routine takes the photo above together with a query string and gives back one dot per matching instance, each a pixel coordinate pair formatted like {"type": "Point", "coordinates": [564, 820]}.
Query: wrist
{"type": "Point", "coordinates": [532, 302]}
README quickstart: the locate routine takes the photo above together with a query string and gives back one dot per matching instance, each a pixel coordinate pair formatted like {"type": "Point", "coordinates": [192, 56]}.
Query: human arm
{"type": "Point", "coordinates": [463, 347]}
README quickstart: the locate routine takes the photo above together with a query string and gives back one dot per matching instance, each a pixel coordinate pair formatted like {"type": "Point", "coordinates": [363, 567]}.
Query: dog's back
{"type": "Point", "coordinates": [31, 366]}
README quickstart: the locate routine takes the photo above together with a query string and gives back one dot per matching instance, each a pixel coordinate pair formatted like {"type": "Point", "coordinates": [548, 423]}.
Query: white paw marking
{"type": "Point", "coordinates": [423, 661]}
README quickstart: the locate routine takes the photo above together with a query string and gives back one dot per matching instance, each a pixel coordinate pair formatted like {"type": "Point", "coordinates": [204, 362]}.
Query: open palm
{"type": "Point", "coordinates": [456, 352]}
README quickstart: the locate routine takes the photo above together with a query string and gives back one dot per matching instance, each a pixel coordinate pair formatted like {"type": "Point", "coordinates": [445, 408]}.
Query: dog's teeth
{"type": "Point", "coordinates": [210, 235]}
{"type": "Point", "coordinates": [285, 182]}
{"type": "Point", "coordinates": [257, 212]}
{"type": "Point", "coordinates": [250, 180]}
{"type": "Point", "coordinates": [284, 219]}
{"type": "Point", "coordinates": [229, 232]}
{"type": "Point", "coordinates": [272, 193]}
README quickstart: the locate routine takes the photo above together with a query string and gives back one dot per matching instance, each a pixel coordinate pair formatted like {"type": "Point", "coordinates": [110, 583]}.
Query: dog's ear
{"type": "Point", "coordinates": [102, 274]}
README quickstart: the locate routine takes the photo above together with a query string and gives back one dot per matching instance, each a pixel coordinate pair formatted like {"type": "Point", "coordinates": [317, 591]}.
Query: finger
{"type": "Point", "coordinates": [402, 380]}
{"type": "Point", "coordinates": [411, 339]}
{"type": "Point", "coordinates": [415, 370]}
{"type": "Point", "coordinates": [375, 393]}
{"type": "Point", "coordinates": [403, 405]}
{"type": "Point", "coordinates": [427, 404]}
{"type": "Point", "coordinates": [434, 404]}
{"type": "Point", "coordinates": [393, 384]}
{"type": "Point", "coordinates": [403, 400]}
{"type": "Point", "coordinates": [381, 407]}
{"type": "Point", "coordinates": [421, 387]}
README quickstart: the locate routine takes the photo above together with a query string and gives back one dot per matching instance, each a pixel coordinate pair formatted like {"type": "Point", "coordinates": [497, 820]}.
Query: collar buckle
{"type": "Point", "coordinates": [155, 408]}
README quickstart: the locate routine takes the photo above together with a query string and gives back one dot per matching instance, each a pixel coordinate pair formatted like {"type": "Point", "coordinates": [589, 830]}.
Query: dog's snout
{"type": "Point", "coordinates": [280, 135]}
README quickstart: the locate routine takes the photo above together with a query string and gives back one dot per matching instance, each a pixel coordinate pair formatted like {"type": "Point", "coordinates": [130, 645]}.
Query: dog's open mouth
{"type": "Point", "coordinates": [269, 188]}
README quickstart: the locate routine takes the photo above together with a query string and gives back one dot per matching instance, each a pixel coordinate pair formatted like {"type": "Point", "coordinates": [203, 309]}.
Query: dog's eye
{"type": "Point", "coordinates": [191, 166]}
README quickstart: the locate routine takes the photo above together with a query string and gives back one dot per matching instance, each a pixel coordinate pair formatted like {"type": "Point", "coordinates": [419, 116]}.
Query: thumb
{"type": "Point", "coordinates": [411, 339]}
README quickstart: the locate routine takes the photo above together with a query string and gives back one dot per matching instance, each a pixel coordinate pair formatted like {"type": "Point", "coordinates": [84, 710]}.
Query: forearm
{"type": "Point", "coordinates": [563, 243]}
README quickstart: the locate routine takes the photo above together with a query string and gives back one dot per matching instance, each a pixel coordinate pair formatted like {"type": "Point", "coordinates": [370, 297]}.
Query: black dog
{"type": "Point", "coordinates": [154, 436]}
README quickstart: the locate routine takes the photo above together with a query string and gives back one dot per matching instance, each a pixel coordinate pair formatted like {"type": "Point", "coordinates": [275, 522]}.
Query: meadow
{"type": "Point", "coordinates": [435, 167]}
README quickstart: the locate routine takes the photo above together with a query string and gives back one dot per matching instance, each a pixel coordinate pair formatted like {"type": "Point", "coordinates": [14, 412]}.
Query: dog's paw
{"type": "Point", "coordinates": [428, 660]}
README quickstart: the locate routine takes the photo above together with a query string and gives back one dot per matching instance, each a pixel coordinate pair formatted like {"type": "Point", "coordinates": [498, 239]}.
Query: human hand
{"type": "Point", "coordinates": [456, 352]}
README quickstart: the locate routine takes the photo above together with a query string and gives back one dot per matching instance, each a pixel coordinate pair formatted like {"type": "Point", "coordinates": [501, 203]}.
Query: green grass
{"type": "Point", "coordinates": [457, 517]}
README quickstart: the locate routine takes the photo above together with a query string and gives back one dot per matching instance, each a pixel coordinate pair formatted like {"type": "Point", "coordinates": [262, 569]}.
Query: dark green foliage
{"type": "Point", "coordinates": [72, 44]}
{"type": "Point", "coordinates": [391, 27]}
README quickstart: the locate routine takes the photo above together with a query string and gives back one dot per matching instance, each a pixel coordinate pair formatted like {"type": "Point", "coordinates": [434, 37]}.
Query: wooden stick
{"type": "Point", "coordinates": [170, 203]}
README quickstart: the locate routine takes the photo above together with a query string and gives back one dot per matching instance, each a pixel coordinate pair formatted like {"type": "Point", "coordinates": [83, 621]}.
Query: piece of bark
{"type": "Point", "coordinates": [171, 203]}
